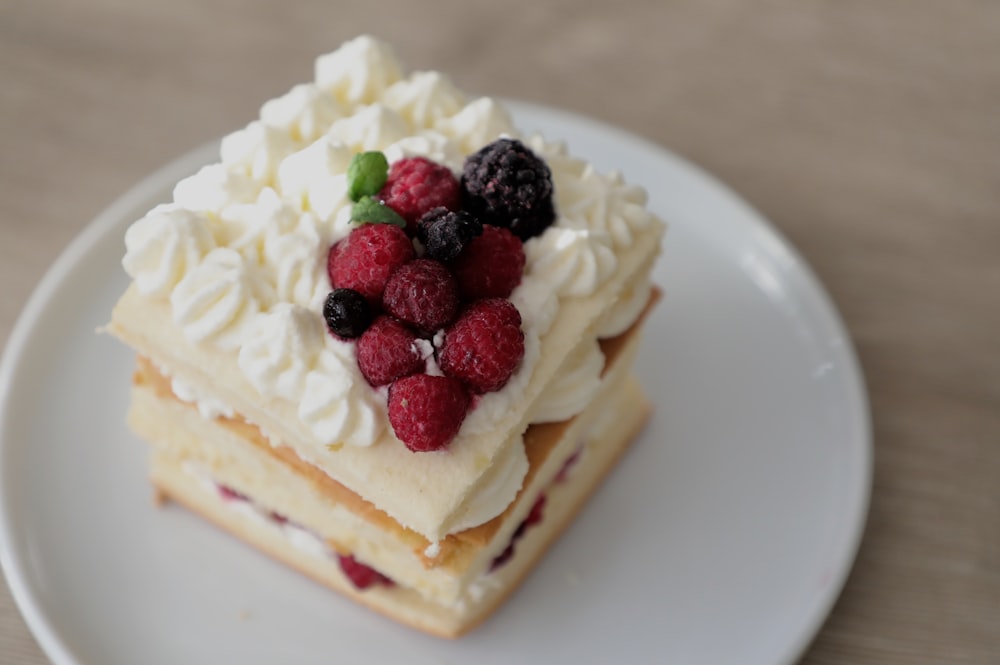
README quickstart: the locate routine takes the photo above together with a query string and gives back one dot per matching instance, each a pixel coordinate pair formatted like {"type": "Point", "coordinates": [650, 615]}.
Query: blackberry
{"type": "Point", "coordinates": [445, 234]}
{"type": "Point", "coordinates": [347, 313]}
{"type": "Point", "coordinates": [506, 184]}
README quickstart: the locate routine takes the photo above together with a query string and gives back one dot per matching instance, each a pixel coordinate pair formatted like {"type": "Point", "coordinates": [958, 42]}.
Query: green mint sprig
{"type": "Point", "coordinates": [366, 174]}
{"type": "Point", "coordinates": [372, 211]}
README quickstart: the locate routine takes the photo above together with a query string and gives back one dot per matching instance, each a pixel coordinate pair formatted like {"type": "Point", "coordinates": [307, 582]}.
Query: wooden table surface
{"type": "Point", "coordinates": [867, 131]}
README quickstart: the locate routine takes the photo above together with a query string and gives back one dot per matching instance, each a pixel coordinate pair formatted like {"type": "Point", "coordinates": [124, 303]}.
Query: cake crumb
{"type": "Point", "coordinates": [245, 615]}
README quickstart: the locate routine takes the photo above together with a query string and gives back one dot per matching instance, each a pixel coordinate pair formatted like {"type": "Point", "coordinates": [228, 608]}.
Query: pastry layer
{"type": "Point", "coordinates": [236, 455]}
{"type": "Point", "coordinates": [607, 439]}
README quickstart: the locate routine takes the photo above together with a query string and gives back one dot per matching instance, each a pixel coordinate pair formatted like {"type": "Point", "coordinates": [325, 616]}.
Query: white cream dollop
{"type": "Point", "coordinates": [424, 98]}
{"type": "Point", "coordinates": [218, 299]}
{"type": "Point", "coordinates": [280, 350]}
{"type": "Point", "coordinates": [304, 112]}
{"type": "Point", "coordinates": [626, 309]}
{"type": "Point", "coordinates": [496, 490]}
{"type": "Point", "coordinates": [162, 247]}
{"type": "Point", "coordinates": [359, 71]}
{"type": "Point", "coordinates": [574, 262]}
{"type": "Point", "coordinates": [430, 144]}
{"type": "Point", "coordinates": [296, 263]}
{"type": "Point", "coordinates": [208, 407]}
{"type": "Point", "coordinates": [315, 178]}
{"type": "Point", "coordinates": [214, 187]}
{"type": "Point", "coordinates": [479, 123]}
{"type": "Point", "coordinates": [256, 151]}
{"type": "Point", "coordinates": [372, 128]}
{"type": "Point", "coordinates": [576, 383]}
{"type": "Point", "coordinates": [338, 405]}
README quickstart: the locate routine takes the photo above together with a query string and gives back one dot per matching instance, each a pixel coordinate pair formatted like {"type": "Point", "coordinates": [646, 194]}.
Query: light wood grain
{"type": "Point", "coordinates": [868, 132]}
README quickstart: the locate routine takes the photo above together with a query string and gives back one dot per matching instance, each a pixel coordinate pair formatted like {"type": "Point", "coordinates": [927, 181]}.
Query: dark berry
{"type": "Point", "coordinates": [387, 351]}
{"type": "Point", "coordinates": [445, 233]}
{"type": "Point", "coordinates": [484, 346]}
{"type": "Point", "coordinates": [505, 184]}
{"type": "Point", "coordinates": [422, 293]}
{"type": "Point", "coordinates": [417, 185]}
{"type": "Point", "coordinates": [491, 266]}
{"type": "Point", "coordinates": [347, 313]}
{"type": "Point", "coordinates": [364, 260]}
{"type": "Point", "coordinates": [427, 411]}
{"type": "Point", "coordinates": [361, 576]}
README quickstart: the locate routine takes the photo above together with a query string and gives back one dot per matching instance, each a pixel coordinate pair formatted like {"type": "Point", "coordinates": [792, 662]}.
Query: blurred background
{"type": "Point", "coordinates": [868, 132]}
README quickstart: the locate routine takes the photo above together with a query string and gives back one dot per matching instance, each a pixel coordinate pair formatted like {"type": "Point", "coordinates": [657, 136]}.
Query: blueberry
{"type": "Point", "coordinates": [347, 313]}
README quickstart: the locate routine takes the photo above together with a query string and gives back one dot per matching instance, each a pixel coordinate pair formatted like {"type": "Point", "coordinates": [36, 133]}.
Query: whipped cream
{"type": "Point", "coordinates": [626, 309]}
{"type": "Point", "coordinates": [162, 247]}
{"type": "Point", "coordinates": [209, 407]}
{"type": "Point", "coordinates": [574, 387]}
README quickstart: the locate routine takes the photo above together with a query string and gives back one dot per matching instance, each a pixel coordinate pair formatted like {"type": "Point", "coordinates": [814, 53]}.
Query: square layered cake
{"type": "Point", "coordinates": [388, 338]}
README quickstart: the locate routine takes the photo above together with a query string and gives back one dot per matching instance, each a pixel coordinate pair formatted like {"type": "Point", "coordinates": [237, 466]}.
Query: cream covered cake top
{"type": "Point", "coordinates": [241, 261]}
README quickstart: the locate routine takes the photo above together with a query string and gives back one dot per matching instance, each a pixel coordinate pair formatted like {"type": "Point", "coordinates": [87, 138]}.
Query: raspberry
{"type": "Point", "coordinates": [387, 351]}
{"type": "Point", "coordinates": [417, 185]}
{"type": "Point", "coordinates": [506, 184]}
{"type": "Point", "coordinates": [537, 510]}
{"type": "Point", "coordinates": [534, 517]}
{"type": "Point", "coordinates": [347, 313]}
{"type": "Point", "coordinates": [484, 346]}
{"type": "Point", "coordinates": [365, 259]}
{"type": "Point", "coordinates": [445, 234]}
{"type": "Point", "coordinates": [491, 266]}
{"type": "Point", "coordinates": [361, 576]}
{"type": "Point", "coordinates": [427, 411]}
{"type": "Point", "coordinates": [422, 293]}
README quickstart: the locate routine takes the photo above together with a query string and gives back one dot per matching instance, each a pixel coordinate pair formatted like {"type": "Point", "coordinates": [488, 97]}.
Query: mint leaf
{"type": "Point", "coordinates": [371, 211]}
{"type": "Point", "coordinates": [366, 174]}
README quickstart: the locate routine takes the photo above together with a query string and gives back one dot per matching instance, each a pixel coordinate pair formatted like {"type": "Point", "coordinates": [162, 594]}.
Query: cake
{"type": "Point", "coordinates": [388, 339]}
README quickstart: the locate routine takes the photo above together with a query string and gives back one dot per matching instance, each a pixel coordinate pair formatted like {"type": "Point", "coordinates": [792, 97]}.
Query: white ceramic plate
{"type": "Point", "coordinates": [723, 537]}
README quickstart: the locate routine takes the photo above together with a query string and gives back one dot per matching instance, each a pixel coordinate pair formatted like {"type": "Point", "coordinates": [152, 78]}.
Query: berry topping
{"type": "Point", "coordinates": [506, 184]}
{"type": "Point", "coordinates": [361, 576]}
{"type": "Point", "coordinates": [347, 313]}
{"type": "Point", "coordinates": [491, 266]}
{"type": "Point", "coordinates": [417, 185]}
{"type": "Point", "coordinates": [387, 351]}
{"type": "Point", "coordinates": [366, 174]}
{"type": "Point", "coordinates": [427, 411]}
{"type": "Point", "coordinates": [484, 346]}
{"type": "Point", "coordinates": [365, 259]}
{"type": "Point", "coordinates": [422, 293]}
{"type": "Point", "coordinates": [445, 234]}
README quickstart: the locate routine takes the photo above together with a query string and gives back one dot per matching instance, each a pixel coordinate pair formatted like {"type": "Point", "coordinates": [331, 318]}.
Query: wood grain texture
{"type": "Point", "coordinates": [868, 132]}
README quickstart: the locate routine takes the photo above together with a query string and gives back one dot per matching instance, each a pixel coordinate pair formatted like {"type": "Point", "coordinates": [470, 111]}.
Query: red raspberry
{"type": "Point", "coordinates": [416, 185]}
{"type": "Point", "coordinates": [387, 350]}
{"type": "Point", "coordinates": [535, 516]}
{"type": "Point", "coordinates": [361, 576]}
{"type": "Point", "coordinates": [365, 259]}
{"type": "Point", "coordinates": [422, 293]}
{"type": "Point", "coordinates": [484, 346]}
{"type": "Point", "coordinates": [490, 266]}
{"type": "Point", "coordinates": [427, 411]}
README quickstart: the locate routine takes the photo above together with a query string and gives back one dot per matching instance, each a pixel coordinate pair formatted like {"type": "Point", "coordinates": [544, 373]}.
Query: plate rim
{"type": "Point", "coordinates": [108, 220]}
